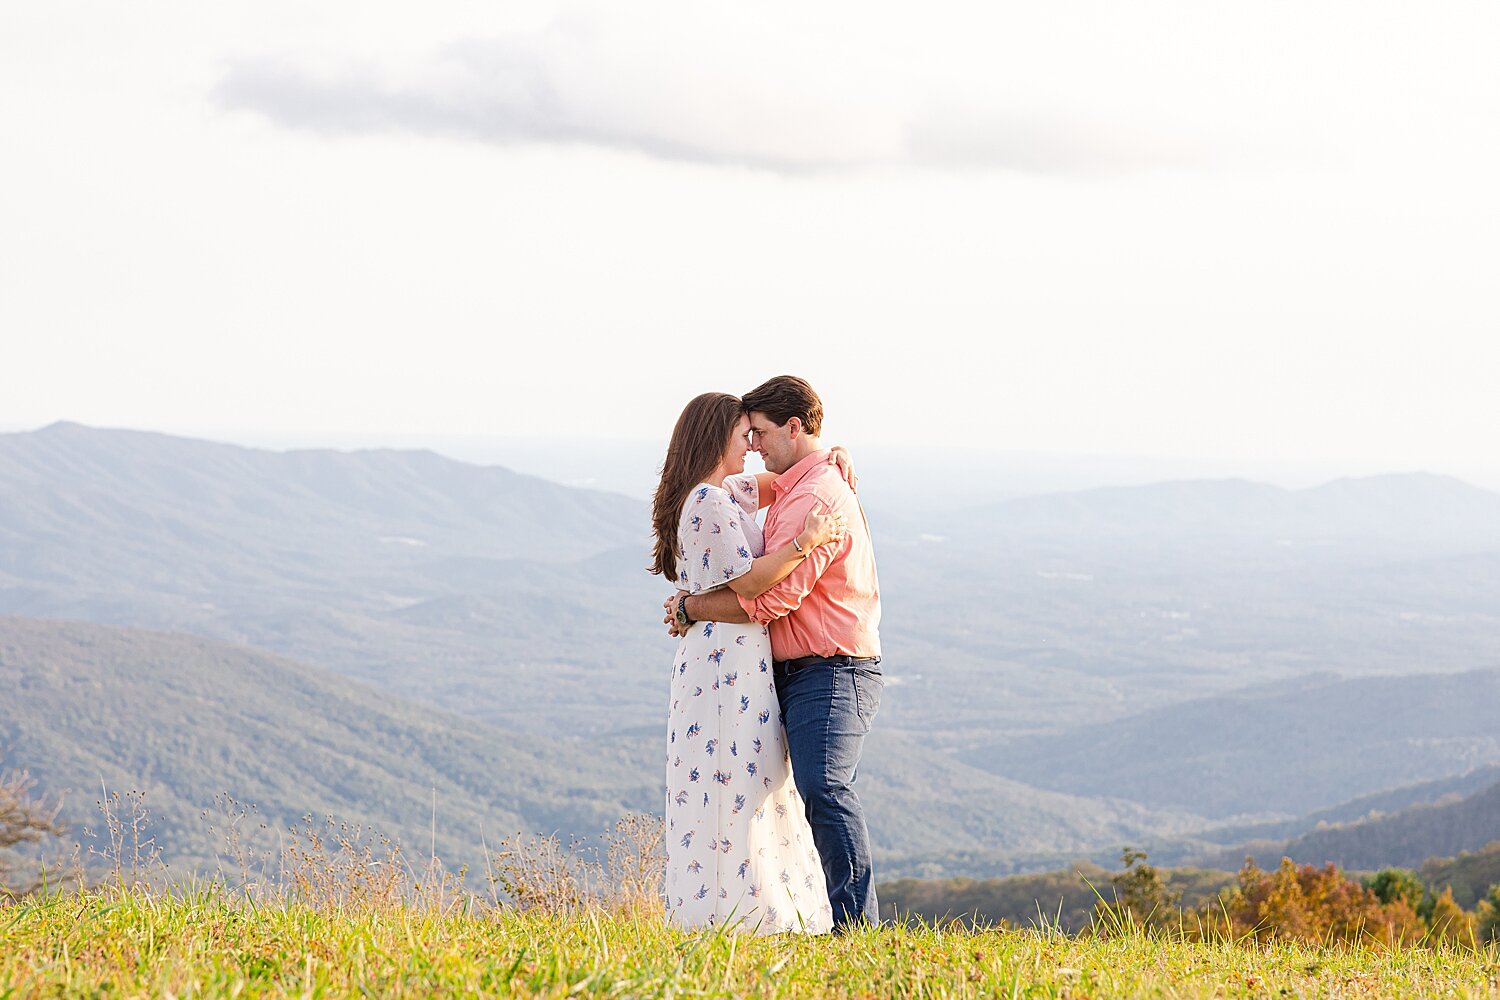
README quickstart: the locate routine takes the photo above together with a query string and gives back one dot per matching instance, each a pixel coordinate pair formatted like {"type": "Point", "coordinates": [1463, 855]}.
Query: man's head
{"type": "Point", "coordinates": [786, 417]}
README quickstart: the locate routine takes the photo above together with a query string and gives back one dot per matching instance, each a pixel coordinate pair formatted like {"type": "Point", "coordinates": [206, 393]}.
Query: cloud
{"type": "Point", "coordinates": [709, 92]}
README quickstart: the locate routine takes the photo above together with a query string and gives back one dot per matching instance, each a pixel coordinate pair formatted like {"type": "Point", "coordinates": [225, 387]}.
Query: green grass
{"type": "Point", "coordinates": [209, 943]}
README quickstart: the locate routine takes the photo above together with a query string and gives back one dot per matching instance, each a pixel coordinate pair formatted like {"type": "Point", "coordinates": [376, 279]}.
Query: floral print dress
{"type": "Point", "coordinates": [739, 849]}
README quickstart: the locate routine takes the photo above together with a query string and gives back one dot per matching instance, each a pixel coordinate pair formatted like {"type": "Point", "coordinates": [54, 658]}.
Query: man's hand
{"type": "Point", "coordinates": [670, 619]}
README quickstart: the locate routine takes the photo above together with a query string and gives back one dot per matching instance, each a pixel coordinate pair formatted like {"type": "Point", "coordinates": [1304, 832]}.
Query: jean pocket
{"type": "Point", "coordinates": [869, 684]}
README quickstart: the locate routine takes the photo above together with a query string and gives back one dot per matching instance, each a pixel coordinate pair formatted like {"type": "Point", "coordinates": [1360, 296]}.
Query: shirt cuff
{"type": "Point", "coordinates": [752, 608]}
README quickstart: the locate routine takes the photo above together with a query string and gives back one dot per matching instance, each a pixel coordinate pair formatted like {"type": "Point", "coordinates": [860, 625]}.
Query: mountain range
{"type": "Point", "coordinates": [1065, 671]}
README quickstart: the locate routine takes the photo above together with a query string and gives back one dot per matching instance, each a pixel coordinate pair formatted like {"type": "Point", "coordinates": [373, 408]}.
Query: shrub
{"type": "Point", "coordinates": [24, 819]}
{"type": "Point", "coordinates": [1142, 898]}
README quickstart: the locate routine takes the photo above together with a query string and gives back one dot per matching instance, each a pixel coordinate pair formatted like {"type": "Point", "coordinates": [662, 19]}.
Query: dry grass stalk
{"type": "Point", "coordinates": [130, 849]}
{"type": "Point", "coordinates": [337, 865]}
{"type": "Point", "coordinates": [624, 875]}
{"type": "Point", "coordinates": [240, 826]}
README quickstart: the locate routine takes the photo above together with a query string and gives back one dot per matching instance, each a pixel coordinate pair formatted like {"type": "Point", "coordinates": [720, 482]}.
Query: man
{"type": "Point", "coordinates": [824, 618]}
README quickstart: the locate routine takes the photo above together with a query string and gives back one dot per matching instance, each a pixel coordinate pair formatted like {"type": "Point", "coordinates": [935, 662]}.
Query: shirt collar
{"type": "Point", "coordinates": [788, 480]}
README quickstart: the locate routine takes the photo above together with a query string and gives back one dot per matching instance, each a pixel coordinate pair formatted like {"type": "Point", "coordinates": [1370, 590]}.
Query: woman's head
{"type": "Point", "coordinates": [709, 442]}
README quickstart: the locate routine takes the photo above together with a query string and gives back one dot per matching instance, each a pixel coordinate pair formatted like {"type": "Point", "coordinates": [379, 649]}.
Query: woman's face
{"type": "Point", "coordinates": [739, 443]}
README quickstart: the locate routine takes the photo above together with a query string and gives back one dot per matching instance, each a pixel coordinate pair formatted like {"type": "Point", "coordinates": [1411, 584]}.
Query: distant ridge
{"type": "Point", "coordinates": [1290, 747]}
{"type": "Point", "coordinates": [1404, 839]}
{"type": "Point", "coordinates": [1416, 506]}
{"type": "Point", "coordinates": [1439, 791]}
{"type": "Point", "coordinates": [81, 477]}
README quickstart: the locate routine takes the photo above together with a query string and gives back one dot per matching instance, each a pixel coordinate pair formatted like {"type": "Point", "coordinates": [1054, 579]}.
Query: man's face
{"type": "Point", "coordinates": [772, 441]}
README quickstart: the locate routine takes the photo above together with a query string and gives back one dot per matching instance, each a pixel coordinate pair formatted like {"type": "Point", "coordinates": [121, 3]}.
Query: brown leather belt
{"type": "Point", "coordinates": [792, 666]}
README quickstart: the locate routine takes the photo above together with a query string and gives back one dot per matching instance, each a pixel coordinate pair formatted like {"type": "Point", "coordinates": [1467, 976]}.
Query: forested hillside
{"type": "Point", "coordinates": [184, 719]}
{"type": "Point", "coordinates": [1469, 875]}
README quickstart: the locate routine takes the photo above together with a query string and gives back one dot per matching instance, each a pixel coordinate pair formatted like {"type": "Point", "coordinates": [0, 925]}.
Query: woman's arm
{"type": "Point", "coordinates": [771, 568]}
{"type": "Point", "coordinates": [838, 455]}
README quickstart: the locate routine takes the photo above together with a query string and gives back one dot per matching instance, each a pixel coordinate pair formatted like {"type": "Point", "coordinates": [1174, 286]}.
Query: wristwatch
{"type": "Point", "coordinates": [683, 621]}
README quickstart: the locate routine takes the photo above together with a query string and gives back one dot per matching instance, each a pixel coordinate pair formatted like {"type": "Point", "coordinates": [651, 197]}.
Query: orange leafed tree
{"type": "Point", "coordinates": [1307, 903]}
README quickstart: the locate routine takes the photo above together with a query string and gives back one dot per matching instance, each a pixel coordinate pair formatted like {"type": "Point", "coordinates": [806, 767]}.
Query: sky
{"type": "Point", "coordinates": [1243, 233]}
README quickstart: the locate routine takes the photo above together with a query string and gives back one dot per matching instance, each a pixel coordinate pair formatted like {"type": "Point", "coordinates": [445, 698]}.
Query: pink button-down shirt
{"type": "Point", "coordinates": [830, 603]}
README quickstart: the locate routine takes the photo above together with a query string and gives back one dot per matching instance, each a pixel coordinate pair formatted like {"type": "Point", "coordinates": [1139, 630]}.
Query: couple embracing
{"type": "Point", "coordinates": [777, 674]}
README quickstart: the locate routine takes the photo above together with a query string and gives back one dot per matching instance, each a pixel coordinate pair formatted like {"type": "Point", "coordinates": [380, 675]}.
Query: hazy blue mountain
{"type": "Point", "coordinates": [429, 577]}
{"type": "Point", "coordinates": [1414, 508]}
{"type": "Point", "coordinates": [105, 495]}
{"type": "Point", "coordinates": [185, 718]}
{"type": "Point", "coordinates": [1284, 748]}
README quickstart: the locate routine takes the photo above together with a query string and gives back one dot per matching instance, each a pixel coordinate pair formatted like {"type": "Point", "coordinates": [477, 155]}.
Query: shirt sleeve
{"type": "Point", "coordinates": [714, 545]}
{"type": "Point", "coordinates": [787, 596]}
{"type": "Point", "coordinates": [744, 489]}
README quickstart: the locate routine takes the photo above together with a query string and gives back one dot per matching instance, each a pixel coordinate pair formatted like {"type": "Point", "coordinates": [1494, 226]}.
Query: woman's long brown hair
{"type": "Point", "coordinates": [698, 443]}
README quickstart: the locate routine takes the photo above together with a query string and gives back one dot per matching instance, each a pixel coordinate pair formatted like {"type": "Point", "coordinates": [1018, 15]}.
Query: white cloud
{"type": "Point", "coordinates": [710, 83]}
{"type": "Point", "coordinates": [1071, 87]}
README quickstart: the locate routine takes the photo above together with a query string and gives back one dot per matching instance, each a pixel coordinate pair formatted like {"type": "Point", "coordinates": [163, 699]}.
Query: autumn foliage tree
{"type": "Point", "coordinates": [1307, 903]}
{"type": "Point", "coordinates": [1449, 922]}
{"type": "Point", "coordinates": [1487, 916]}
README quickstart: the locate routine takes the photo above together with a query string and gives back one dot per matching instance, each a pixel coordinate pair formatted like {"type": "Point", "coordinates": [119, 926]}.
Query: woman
{"type": "Point", "coordinates": [738, 845]}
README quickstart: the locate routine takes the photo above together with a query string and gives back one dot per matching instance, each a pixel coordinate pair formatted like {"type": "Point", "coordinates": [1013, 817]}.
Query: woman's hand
{"type": "Point", "coordinates": [840, 456]}
{"type": "Point", "coordinates": [670, 618]}
{"type": "Point", "coordinates": [820, 529]}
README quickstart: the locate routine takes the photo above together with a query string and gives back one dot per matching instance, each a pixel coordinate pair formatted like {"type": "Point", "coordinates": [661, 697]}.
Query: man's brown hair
{"type": "Point", "coordinates": [785, 397]}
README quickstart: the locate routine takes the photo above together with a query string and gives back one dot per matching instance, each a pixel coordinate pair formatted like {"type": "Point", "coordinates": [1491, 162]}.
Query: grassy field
{"type": "Point", "coordinates": [210, 943]}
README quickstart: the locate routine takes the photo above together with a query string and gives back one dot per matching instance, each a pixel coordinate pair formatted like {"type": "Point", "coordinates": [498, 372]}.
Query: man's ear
{"type": "Point", "coordinates": [794, 427]}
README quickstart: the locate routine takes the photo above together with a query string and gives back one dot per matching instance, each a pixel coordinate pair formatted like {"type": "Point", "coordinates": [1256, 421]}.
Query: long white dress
{"type": "Point", "coordinates": [739, 849]}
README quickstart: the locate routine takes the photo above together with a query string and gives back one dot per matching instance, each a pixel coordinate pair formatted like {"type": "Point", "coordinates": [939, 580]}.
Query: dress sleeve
{"type": "Point", "coordinates": [744, 490]}
{"type": "Point", "coordinates": [713, 540]}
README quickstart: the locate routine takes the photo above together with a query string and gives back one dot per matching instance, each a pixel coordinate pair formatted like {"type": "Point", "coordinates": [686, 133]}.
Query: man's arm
{"type": "Point", "coordinates": [717, 606]}
{"type": "Point", "coordinates": [786, 596]}
{"type": "Point", "coordinates": [714, 606]}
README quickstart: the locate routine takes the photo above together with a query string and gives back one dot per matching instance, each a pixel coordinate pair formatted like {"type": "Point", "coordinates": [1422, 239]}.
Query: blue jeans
{"type": "Point", "coordinates": [827, 707]}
